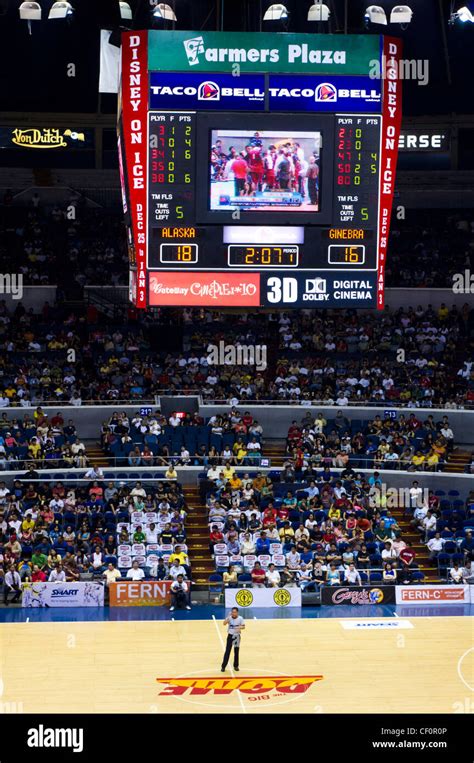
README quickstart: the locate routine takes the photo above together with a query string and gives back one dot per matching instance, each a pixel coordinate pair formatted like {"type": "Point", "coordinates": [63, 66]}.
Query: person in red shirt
{"type": "Point", "coordinates": [240, 169]}
{"type": "Point", "coordinates": [270, 515]}
{"type": "Point", "coordinates": [255, 165]}
{"type": "Point", "coordinates": [407, 557]}
{"type": "Point", "coordinates": [283, 513]}
{"type": "Point", "coordinates": [258, 576]}
{"type": "Point", "coordinates": [37, 576]}
{"type": "Point", "coordinates": [215, 537]}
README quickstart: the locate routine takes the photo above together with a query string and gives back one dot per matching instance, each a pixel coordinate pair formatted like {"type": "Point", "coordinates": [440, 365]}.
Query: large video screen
{"type": "Point", "coordinates": [265, 171]}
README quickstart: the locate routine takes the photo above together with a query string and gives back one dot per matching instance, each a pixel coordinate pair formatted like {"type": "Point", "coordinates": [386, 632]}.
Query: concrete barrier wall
{"type": "Point", "coordinates": [275, 419]}
{"type": "Point", "coordinates": [464, 483]}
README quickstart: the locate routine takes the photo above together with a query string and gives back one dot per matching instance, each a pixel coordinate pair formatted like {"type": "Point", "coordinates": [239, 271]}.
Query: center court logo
{"type": "Point", "coordinates": [325, 92]}
{"type": "Point", "coordinates": [273, 689]}
{"type": "Point", "coordinates": [193, 48]}
{"type": "Point", "coordinates": [209, 91]}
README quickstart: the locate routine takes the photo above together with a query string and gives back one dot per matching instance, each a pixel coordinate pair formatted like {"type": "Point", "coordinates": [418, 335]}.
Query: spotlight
{"type": "Point", "coordinates": [319, 12]}
{"type": "Point", "coordinates": [375, 15]}
{"type": "Point", "coordinates": [401, 14]}
{"type": "Point", "coordinates": [275, 12]}
{"type": "Point", "coordinates": [463, 15]}
{"type": "Point", "coordinates": [61, 10]}
{"type": "Point", "coordinates": [125, 11]}
{"type": "Point", "coordinates": [164, 11]}
{"type": "Point", "coordinates": [30, 11]}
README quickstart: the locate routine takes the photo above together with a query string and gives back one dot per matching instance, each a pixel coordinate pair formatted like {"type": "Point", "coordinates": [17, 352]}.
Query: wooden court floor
{"type": "Point", "coordinates": [306, 665]}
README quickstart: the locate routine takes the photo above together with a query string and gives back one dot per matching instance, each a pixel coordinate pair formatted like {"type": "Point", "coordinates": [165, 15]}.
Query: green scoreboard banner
{"type": "Point", "coordinates": [263, 51]}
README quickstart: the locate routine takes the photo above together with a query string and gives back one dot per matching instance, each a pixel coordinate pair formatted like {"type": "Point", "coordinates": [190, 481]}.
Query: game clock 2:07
{"type": "Point", "coordinates": [262, 256]}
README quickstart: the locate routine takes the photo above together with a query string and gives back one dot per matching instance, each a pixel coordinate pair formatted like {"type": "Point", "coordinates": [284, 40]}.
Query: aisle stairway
{"type": "Point", "coordinates": [197, 532]}
{"type": "Point", "coordinates": [96, 455]}
{"type": "Point", "coordinates": [457, 461]}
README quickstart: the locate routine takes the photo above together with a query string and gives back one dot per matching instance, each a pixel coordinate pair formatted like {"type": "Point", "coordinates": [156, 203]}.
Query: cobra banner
{"type": "Point", "coordinates": [134, 91]}
{"type": "Point", "coordinates": [263, 597]}
{"type": "Point", "coordinates": [358, 595]}
{"type": "Point", "coordinates": [390, 134]}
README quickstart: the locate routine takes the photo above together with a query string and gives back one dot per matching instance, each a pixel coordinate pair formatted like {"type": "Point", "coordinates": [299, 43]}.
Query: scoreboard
{"type": "Point", "coordinates": [246, 187]}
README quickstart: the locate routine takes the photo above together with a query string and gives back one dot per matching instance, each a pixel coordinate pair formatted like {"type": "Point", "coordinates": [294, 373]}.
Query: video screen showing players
{"type": "Point", "coordinates": [265, 171]}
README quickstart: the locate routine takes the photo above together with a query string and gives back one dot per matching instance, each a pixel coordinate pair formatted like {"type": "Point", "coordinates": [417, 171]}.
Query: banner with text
{"type": "Point", "coordinates": [62, 595]}
{"type": "Point", "coordinates": [171, 50]}
{"type": "Point", "coordinates": [433, 594]}
{"type": "Point", "coordinates": [144, 593]}
{"type": "Point", "coordinates": [358, 595]}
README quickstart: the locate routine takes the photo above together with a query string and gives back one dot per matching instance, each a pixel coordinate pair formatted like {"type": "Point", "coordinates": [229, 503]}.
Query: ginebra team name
{"type": "Point", "coordinates": [310, 92]}
{"type": "Point", "coordinates": [232, 92]}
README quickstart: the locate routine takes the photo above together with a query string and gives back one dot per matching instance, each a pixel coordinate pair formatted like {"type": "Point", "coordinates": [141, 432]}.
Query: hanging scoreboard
{"type": "Point", "coordinates": [246, 187]}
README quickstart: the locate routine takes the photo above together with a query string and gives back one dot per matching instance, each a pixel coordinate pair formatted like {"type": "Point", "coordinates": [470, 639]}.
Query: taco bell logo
{"type": "Point", "coordinates": [193, 47]}
{"type": "Point", "coordinates": [209, 91]}
{"type": "Point", "coordinates": [326, 92]}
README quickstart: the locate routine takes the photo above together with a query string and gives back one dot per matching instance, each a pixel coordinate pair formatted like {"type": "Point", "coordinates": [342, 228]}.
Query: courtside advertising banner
{"type": "Point", "coordinates": [263, 597]}
{"type": "Point", "coordinates": [390, 134]}
{"type": "Point", "coordinates": [149, 593]}
{"type": "Point", "coordinates": [358, 595]}
{"type": "Point", "coordinates": [433, 594]}
{"type": "Point", "coordinates": [134, 125]}
{"type": "Point", "coordinates": [62, 595]}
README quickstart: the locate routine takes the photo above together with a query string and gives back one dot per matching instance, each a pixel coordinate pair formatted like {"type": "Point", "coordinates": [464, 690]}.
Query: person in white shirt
{"type": "Point", "coordinates": [429, 523]}
{"type": "Point", "coordinates": [293, 559]}
{"type": "Point", "coordinates": [174, 420]}
{"type": "Point", "coordinates": [152, 533]}
{"type": "Point", "coordinates": [175, 570]}
{"type": "Point", "coordinates": [138, 491]}
{"type": "Point", "coordinates": [94, 473]}
{"type": "Point", "coordinates": [272, 576]}
{"type": "Point", "coordinates": [455, 574]}
{"type": "Point", "coordinates": [57, 575]}
{"type": "Point", "coordinates": [135, 573]}
{"type": "Point", "coordinates": [352, 576]}
{"type": "Point", "coordinates": [213, 473]}
{"type": "Point", "coordinates": [247, 546]}
{"type": "Point", "coordinates": [416, 493]}
{"type": "Point", "coordinates": [12, 584]}
{"type": "Point", "coordinates": [435, 545]}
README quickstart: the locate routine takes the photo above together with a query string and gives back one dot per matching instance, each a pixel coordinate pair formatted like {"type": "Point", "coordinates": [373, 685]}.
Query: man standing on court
{"type": "Point", "coordinates": [235, 625]}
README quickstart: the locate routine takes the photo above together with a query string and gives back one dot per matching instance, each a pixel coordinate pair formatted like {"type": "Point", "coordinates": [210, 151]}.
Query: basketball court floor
{"type": "Point", "coordinates": [324, 660]}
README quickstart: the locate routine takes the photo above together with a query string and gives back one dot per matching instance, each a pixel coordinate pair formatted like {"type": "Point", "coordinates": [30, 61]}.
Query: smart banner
{"type": "Point", "coordinates": [433, 594]}
{"type": "Point", "coordinates": [263, 597]}
{"type": "Point", "coordinates": [80, 594]}
{"type": "Point", "coordinates": [358, 595]}
{"type": "Point", "coordinates": [262, 52]}
{"type": "Point", "coordinates": [145, 593]}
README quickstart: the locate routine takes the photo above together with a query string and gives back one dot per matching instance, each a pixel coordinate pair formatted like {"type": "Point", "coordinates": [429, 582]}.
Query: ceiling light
{"type": "Point", "coordinates": [275, 12]}
{"type": "Point", "coordinates": [375, 15]}
{"type": "Point", "coordinates": [61, 10]}
{"type": "Point", "coordinates": [319, 12]}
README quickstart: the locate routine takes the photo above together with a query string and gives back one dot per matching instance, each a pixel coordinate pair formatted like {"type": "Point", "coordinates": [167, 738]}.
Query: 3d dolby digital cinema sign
{"type": "Point", "coordinates": [258, 169]}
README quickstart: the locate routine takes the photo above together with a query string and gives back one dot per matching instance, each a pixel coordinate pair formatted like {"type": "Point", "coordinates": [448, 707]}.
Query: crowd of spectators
{"type": "Point", "coordinates": [429, 247]}
{"type": "Point", "coordinates": [56, 245]}
{"type": "Point", "coordinates": [323, 530]}
{"type": "Point", "coordinates": [40, 441]}
{"type": "Point", "coordinates": [182, 439]}
{"type": "Point", "coordinates": [447, 531]}
{"type": "Point", "coordinates": [413, 358]}
{"type": "Point", "coordinates": [97, 530]}
{"type": "Point", "coordinates": [406, 442]}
